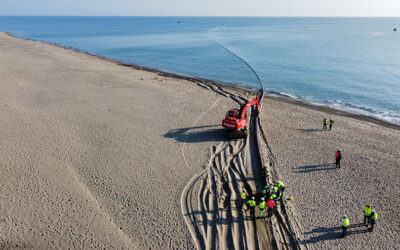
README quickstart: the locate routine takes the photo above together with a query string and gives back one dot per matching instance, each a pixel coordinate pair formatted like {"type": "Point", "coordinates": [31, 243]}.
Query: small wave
{"type": "Point", "coordinates": [345, 106]}
{"type": "Point", "coordinates": [283, 94]}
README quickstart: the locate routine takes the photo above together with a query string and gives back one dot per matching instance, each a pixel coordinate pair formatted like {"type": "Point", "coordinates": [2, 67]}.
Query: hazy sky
{"type": "Point", "coordinates": [202, 7]}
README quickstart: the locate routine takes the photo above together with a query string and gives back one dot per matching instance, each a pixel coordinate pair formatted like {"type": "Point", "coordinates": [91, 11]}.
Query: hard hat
{"type": "Point", "coordinates": [262, 198]}
{"type": "Point", "coordinates": [244, 190]}
{"type": "Point", "coordinates": [374, 211]}
{"type": "Point", "coordinates": [344, 216]}
{"type": "Point", "coordinates": [369, 205]}
{"type": "Point", "coordinates": [252, 197]}
{"type": "Point", "coordinates": [338, 149]}
{"type": "Point", "coordinates": [291, 198]}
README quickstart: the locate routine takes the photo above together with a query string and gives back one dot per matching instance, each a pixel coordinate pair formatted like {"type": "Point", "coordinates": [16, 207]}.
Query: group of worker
{"type": "Point", "coordinates": [271, 193]}
{"type": "Point", "coordinates": [370, 217]}
{"type": "Point", "coordinates": [325, 124]}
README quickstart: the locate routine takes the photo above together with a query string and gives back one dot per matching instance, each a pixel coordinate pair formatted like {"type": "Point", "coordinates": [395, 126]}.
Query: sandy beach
{"type": "Point", "coordinates": [369, 173]}
{"type": "Point", "coordinates": [95, 154]}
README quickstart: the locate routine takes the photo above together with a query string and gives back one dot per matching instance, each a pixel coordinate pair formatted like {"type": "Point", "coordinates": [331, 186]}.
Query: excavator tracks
{"type": "Point", "coordinates": [210, 205]}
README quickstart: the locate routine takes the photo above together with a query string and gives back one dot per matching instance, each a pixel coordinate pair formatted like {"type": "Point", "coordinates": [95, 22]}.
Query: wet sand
{"type": "Point", "coordinates": [98, 154]}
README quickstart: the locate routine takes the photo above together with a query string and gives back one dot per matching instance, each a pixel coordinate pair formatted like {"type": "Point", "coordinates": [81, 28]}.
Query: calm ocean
{"type": "Point", "coordinates": [351, 64]}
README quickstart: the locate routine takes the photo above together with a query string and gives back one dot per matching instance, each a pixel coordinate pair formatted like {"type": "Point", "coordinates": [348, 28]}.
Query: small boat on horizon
{"type": "Point", "coordinates": [395, 29]}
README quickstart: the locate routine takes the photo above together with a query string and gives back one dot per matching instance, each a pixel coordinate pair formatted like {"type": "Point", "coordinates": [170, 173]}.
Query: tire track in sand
{"type": "Point", "coordinates": [209, 200]}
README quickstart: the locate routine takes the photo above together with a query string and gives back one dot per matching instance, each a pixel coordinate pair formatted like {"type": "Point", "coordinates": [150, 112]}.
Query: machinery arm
{"type": "Point", "coordinates": [251, 102]}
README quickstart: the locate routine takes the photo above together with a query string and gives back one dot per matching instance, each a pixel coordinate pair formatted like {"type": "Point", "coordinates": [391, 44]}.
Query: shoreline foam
{"type": "Point", "coordinates": [279, 96]}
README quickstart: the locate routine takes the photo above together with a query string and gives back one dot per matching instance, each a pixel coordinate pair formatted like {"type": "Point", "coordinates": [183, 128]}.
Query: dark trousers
{"type": "Point", "coordinates": [367, 219]}
{"type": "Point", "coordinates": [344, 231]}
{"type": "Point", "coordinates": [270, 211]}
{"type": "Point", "coordinates": [372, 225]}
{"type": "Point", "coordinates": [252, 212]}
{"type": "Point", "coordinates": [241, 202]}
{"type": "Point", "coordinates": [338, 163]}
{"type": "Point", "coordinates": [324, 127]}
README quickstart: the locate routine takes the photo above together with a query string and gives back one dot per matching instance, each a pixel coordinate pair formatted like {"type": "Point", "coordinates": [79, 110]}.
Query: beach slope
{"type": "Point", "coordinates": [95, 154]}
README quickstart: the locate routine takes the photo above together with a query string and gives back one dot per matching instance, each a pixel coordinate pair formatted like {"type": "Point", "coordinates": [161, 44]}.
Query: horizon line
{"type": "Point", "coordinates": [197, 16]}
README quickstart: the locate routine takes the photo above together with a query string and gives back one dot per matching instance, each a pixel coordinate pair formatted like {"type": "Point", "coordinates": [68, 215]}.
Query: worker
{"type": "Point", "coordinates": [252, 206]}
{"type": "Point", "coordinates": [273, 197]}
{"type": "Point", "coordinates": [262, 207]}
{"type": "Point", "coordinates": [345, 225]}
{"type": "Point", "coordinates": [243, 196]}
{"type": "Point", "coordinates": [281, 188]}
{"type": "Point", "coordinates": [277, 192]}
{"type": "Point", "coordinates": [367, 214]}
{"type": "Point", "coordinates": [374, 218]}
{"type": "Point", "coordinates": [330, 124]}
{"type": "Point", "coordinates": [325, 123]}
{"type": "Point", "coordinates": [267, 190]}
{"type": "Point", "coordinates": [271, 206]}
{"type": "Point", "coordinates": [338, 157]}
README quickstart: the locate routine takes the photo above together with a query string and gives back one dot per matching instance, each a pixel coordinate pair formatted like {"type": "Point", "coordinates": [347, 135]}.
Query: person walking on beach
{"type": "Point", "coordinates": [271, 206]}
{"type": "Point", "coordinates": [367, 214]}
{"type": "Point", "coordinates": [243, 196]}
{"type": "Point", "coordinates": [325, 123]}
{"type": "Point", "coordinates": [330, 124]}
{"type": "Point", "coordinates": [345, 225]}
{"type": "Point", "coordinates": [252, 206]}
{"type": "Point", "coordinates": [262, 207]}
{"type": "Point", "coordinates": [338, 157]}
{"type": "Point", "coordinates": [374, 218]}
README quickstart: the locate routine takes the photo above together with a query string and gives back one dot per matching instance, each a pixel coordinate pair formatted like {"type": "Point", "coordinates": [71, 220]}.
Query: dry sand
{"type": "Point", "coordinates": [370, 173]}
{"type": "Point", "coordinates": [97, 155]}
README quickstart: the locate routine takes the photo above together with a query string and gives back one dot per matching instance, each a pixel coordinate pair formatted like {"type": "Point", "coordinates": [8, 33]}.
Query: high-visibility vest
{"type": "Point", "coordinates": [280, 185]}
{"type": "Point", "coordinates": [346, 222]}
{"type": "Point", "coordinates": [375, 216]}
{"type": "Point", "coordinates": [273, 196]}
{"type": "Point", "coordinates": [275, 189]}
{"type": "Point", "coordinates": [325, 121]}
{"type": "Point", "coordinates": [262, 205]}
{"type": "Point", "coordinates": [252, 203]}
{"type": "Point", "coordinates": [331, 122]}
{"type": "Point", "coordinates": [243, 195]}
{"type": "Point", "coordinates": [367, 211]}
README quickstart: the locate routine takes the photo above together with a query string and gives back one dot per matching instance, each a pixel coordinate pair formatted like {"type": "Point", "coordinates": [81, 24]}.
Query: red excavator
{"type": "Point", "coordinates": [236, 119]}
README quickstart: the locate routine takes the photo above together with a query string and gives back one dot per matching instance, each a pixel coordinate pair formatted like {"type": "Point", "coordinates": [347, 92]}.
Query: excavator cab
{"type": "Point", "coordinates": [233, 113]}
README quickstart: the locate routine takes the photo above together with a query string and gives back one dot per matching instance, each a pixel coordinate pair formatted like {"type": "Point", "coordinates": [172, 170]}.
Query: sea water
{"type": "Point", "coordinates": [351, 64]}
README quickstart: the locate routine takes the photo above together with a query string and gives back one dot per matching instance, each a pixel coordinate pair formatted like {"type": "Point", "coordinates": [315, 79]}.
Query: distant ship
{"type": "Point", "coordinates": [178, 22]}
{"type": "Point", "coordinates": [395, 29]}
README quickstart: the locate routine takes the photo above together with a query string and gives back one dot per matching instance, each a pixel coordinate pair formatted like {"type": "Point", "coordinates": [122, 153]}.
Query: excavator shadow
{"type": "Point", "coordinates": [198, 134]}
{"type": "Point", "coordinates": [313, 168]}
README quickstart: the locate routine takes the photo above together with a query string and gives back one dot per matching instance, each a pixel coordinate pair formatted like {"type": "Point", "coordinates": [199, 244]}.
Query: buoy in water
{"type": "Point", "coordinates": [395, 29]}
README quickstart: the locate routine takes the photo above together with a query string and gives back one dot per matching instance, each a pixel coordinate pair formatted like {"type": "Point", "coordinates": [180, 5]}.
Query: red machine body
{"type": "Point", "coordinates": [236, 119]}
